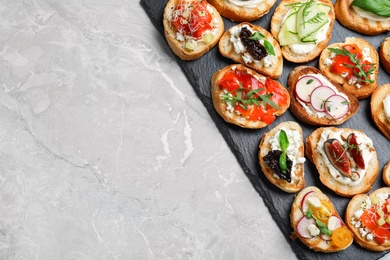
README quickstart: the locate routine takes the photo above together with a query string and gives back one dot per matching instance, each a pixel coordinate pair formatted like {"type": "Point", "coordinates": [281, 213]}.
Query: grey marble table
{"type": "Point", "coordinates": [105, 150]}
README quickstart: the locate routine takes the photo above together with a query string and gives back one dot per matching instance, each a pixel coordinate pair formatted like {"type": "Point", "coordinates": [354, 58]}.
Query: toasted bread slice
{"type": "Point", "coordinates": [360, 210]}
{"type": "Point", "coordinates": [293, 180]}
{"type": "Point", "coordinates": [348, 17]}
{"type": "Point", "coordinates": [305, 112]}
{"type": "Point", "coordinates": [312, 204]}
{"type": "Point", "coordinates": [232, 47]}
{"type": "Point", "coordinates": [188, 42]}
{"type": "Point", "coordinates": [305, 52]}
{"type": "Point", "coordinates": [386, 174]}
{"type": "Point", "coordinates": [360, 180]}
{"type": "Point", "coordinates": [356, 87]}
{"type": "Point", "coordinates": [258, 113]}
{"type": "Point", "coordinates": [242, 11]}
{"type": "Point", "coordinates": [384, 54]}
{"type": "Point", "coordinates": [378, 112]}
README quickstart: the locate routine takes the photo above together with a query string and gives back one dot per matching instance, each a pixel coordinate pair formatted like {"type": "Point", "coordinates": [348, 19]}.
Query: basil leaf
{"type": "Point", "coordinates": [269, 47]}
{"type": "Point", "coordinates": [283, 140]}
{"type": "Point", "coordinates": [257, 36]}
{"type": "Point", "coordinates": [283, 162]}
{"type": "Point", "coordinates": [378, 7]}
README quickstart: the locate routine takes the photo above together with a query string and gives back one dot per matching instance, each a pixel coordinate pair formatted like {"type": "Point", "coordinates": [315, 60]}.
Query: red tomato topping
{"type": "Point", "coordinates": [240, 82]}
{"type": "Point", "coordinates": [370, 219]}
{"type": "Point", "coordinates": [343, 65]}
{"type": "Point", "coordinates": [192, 18]}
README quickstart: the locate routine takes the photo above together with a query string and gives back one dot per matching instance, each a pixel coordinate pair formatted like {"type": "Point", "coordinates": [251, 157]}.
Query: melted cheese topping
{"type": "Point", "coordinates": [365, 145]}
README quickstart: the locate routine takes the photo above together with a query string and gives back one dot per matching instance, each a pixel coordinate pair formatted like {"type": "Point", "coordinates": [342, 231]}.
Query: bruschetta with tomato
{"type": "Point", "coordinates": [353, 64]}
{"type": "Point", "coordinates": [368, 217]}
{"type": "Point", "coordinates": [191, 27]}
{"type": "Point", "coordinates": [243, 97]}
{"type": "Point", "coordinates": [316, 222]}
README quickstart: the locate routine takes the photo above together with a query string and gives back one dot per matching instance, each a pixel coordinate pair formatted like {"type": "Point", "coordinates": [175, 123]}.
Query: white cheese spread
{"type": "Point", "coordinates": [386, 106]}
{"type": "Point", "coordinates": [369, 15]}
{"type": "Point", "coordinates": [365, 145]}
{"type": "Point", "coordinates": [246, 3]}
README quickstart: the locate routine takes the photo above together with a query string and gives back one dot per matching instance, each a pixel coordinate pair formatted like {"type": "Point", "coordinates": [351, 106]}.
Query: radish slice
{"type": "Point", "coordinates": [305, 85]}
{"type": "Point", "coordinates": [337, 106]}
{"type": "Point", "coordinates": [304, 203]}
{"type": "Point", "coordinates": [303, 227]}
{"type": "Point", "coordinates": [333, 224]}
{"type": "Point", "coordinates": [318, 97]}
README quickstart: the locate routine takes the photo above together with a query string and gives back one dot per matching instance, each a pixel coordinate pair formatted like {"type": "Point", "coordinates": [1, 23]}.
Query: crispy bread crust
{"type": "Point", "coordinates": [352, 207]}
{"type": "Point", "coordinates": [386, 174]}
{"type": "Point", "coordinates": [226, 48]}
{"type": "Point", "coordinates": [265, 147]}
{"type": "Point", "coordinates": [384, 54]}
{"type": "Point", "coordinates": [317, 244]}
{"type": "Point", "coordinates": [177, 46]}
{"type": "Point", "coordinates": [377, 110]}
{"type": "Point", "coordinates": [327, 179]}
{"type": "Point", "coordinates": [242, 14]}
{"type": "Point", "coordinates": [232, 117]}
{"type": "Point", "coordinates": [276, 24]}
{"type": "Point", "coordinates": [299, 111]}
{"type": "Point", "coordinates": [350, 19]}
{"type": "Point", "coordinates": [366, 89]}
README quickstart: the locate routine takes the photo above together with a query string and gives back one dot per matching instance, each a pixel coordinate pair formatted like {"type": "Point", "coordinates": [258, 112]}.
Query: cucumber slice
{"type": "Point", "coordinates": [310, 19]}
{"type": "Point", "coordinates": [288, 33]}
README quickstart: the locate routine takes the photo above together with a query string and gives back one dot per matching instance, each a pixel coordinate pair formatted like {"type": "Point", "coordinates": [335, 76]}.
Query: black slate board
{"type": "Point", "coordinates": [244, 142]}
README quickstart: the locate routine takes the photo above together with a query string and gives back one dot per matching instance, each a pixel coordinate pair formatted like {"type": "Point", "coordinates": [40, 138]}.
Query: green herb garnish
{"type": "Point", "coordinates": [378, 7]}
{"type": "Point", "coordinates": [322, 227]}
{"type": "Point", "coordinates": [361, 73]}
{"type": "Point", "coordinates": [257, 36]}
{"type": "Point", "coordinates": [246, 99]}
{"type": "Point", "coordinates": [284, 143]}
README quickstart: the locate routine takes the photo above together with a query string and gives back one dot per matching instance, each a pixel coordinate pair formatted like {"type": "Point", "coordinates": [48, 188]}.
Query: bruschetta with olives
{"type": "Point", "coordinates": [254, 47]}
{"type": "Point", "coordinates": [303, 28]}
{"type": "Point", "coordinates": [353, 64]}
{"type": "Point", "coordinates": [364, 16]}
{"type": "Point", "coordinates": [242, 10]}
{"type": "Point", "coordinates": [243, 97]}
{"type": "Point", "coordinates": [282, 156]}
{"type": "Point", "coordinates": [317, 223]}
{"type": "Point", "coordinates": [317, 100]}
{"type": "Point", "coordinates": [368, 217]}
{"type": "Point", "coordinates": [345, 158]}
{"type": "Point", "coordinates": [191, 27]}
{"type": "Point", "coordinates": [380, 109]}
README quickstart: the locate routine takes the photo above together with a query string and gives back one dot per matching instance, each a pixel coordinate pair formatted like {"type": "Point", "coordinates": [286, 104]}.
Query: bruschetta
{"type": "Point", "coordinates": [386, 174]}
{"type": "Point", "coordinates": [345, 158]}
{"type": "Point", "coordinates": [353, 64]}
{"type": "Point", "coordinates": [317, 223]}
{"type": "Point", "coordinates": [282, 156]}
{"type": "Point", "coordinates": [317, 100]}
{"type": "Point", "coordinates": [362, 16]}
{"type": "Point", "coordinates": [242, 10]}
{"type": "Point", "coordinates": [380, 109]}
{"type": "Point", "coordinates": [368, 217]}
{"type": "Point", "coordinates": [303, 28]}
{"type": "Point", "coordinates": [254, 47]}
{"type": "Point", "coordinates": [384, 54]}
{"type": "Point", "coordinates": [191, 27]}
{"type": "Point", "coordinates": [243, 97]}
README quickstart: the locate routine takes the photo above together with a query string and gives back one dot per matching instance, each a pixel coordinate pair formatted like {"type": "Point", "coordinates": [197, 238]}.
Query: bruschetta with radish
{"type": "Point", "coordinates": [368, 217]}
{"type": "Point", "coordinates": [282, 156]}
{"type": "Point", "coordinates": [303, 28]}
{"type": "Point", "coordinates": [317, 223]}
{"type": "Point", "coordinates": [254, 47]}
{"type": "Point", "coordinates": [353, 64]}
{"type": "Point", "coordinates": [243, 97]}
{"type": "Point", "coordinates": [345, 158]}
{"type": "Point", "coordinates": [191, 27]}
{"type": "Point", "coordinates": [317, 100]}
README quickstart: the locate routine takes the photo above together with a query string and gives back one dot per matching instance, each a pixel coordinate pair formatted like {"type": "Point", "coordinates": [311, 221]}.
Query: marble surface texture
{"type": "Point", "coordinates": [105, 150]}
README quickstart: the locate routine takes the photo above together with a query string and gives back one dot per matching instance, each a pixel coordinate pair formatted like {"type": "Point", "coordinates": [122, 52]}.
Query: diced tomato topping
{"type": "Point", "coordinates": [241, 80]}
{"type": "Point", "coordinates": [370, 220]}
{"type": "Point", "coordinates": [192, 18]}
{"type": "Point", "coordinates": [343, 65]}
